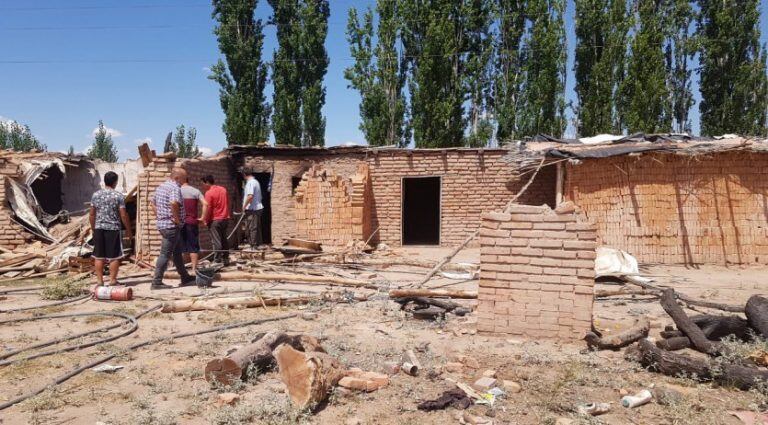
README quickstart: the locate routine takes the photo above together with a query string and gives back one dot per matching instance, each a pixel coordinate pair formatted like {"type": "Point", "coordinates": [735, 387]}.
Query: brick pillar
{"type": "Point", "coordinates": [536, 273]}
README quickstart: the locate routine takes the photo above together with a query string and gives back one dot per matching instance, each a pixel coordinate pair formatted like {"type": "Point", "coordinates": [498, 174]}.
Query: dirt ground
{"type": "Point", "coordinates": [163, 383]}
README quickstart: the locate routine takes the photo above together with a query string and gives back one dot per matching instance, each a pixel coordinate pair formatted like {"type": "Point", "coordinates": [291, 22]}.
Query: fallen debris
{"type": "Point", "coordinates": [593, 409]}
{"type": "Point", "coordinates": [639, 399]}
{"type": "Point", "coordinates": [308, 377]}
{"type": "Point", "coordinates": [444, 293]}
{"type": "Point", "coordinates": [455, 397]}
{"type": "Point", "coordinates": [357, 379]}
{"type": "Point", "coordinates": [255, 356]}
{"type": "Point", "coordinates": [229, 303]}
{"type": "Point", "coordinates": [623, 339]}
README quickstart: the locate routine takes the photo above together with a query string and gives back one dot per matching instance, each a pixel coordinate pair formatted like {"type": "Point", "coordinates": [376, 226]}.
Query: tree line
{"type": "Point", "coordinates": [443, 73]}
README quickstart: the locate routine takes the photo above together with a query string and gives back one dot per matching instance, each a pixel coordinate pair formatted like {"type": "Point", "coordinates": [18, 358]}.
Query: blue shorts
{"type": "Point", "coordinates": [190, 239]}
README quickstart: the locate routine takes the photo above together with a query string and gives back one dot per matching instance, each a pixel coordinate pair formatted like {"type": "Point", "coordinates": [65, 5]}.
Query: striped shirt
{"type": "Point", "coordinates": [166, 194]}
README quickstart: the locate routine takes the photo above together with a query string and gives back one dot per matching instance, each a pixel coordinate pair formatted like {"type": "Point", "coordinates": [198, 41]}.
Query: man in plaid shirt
{"type": "Point", "coordinates": [170, 217]}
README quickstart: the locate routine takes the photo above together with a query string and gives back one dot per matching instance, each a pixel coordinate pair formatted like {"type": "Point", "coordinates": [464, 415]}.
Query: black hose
{"type": "Point", "coordinates": [129, 319]}
{"type": "Point", "coordinates": [28, 288]}
{"type": "Point", "coordinates": [77, 371]}
{"type": "Point", "coordinates": [35, 307]}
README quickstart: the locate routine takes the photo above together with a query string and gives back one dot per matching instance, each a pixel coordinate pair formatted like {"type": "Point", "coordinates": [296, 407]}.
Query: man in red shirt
{"type": "Point", "coordinates": [217, 218]}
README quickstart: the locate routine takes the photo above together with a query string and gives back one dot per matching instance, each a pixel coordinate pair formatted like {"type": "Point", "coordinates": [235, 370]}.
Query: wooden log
{"type": "Point", "coordinates": [692, 301]}
{"type": "Point", "coordinates": [757, 314]}
{"type": "Point", "coordinates": [614, 342]}
{"type": "Point", "coordinates": [445, 293]}
{"type": "Point", "coordinates": [699, 341]}
{"type": "Point", "coordinates": [602, 293]}
{"type": "Point", "coordinates": [228, 303]}
{"type": "Point", "coordinates": [442, 303]}
{"type": "Point", "coordinates": [429, 313]}
{"type": "Point", "coordinates": [255, 356]}
{"type": "Point", "coordinates": [308, 377]}
{"type": "Point", "coordinates": [674, 364]}
{"type": "Point", "coordinates": [716, 328]}
{"type": "Point", "coordinates": [674, 343]}
{"type": "Point", "coordinates": [666, 334]}
{"type": "Point", "coordinates": [287, 277]}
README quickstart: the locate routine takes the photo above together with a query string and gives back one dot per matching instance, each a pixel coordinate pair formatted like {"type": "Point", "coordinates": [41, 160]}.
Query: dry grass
{"type": "Point", "coordinates": [61, 289]}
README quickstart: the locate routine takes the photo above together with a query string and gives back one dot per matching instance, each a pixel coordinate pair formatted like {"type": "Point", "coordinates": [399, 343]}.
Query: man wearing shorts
{"type": "Point", "coordinates": [106, 213]}
{"type": "Point", "coordinates": [190, 233]}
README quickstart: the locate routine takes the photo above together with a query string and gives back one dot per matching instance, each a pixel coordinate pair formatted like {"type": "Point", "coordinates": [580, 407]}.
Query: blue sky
{"type": "Point", "coordinates": [141, 67]}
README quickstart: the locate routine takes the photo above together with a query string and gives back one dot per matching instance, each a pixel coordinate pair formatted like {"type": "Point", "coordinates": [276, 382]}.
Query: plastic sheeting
{"type": "Point", "coordinates": [617, 263]}
{"type": "Point", "coordinates": [22, 205]}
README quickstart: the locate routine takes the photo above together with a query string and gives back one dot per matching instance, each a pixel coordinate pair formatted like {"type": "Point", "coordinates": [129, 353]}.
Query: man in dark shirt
{"type": "Point", "coordinates": [106, 213]}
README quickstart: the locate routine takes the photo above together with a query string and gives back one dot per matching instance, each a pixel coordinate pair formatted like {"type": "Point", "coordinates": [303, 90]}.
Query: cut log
{"type": "Point", "coordinates": [674, 343]}
{"type": "Point", "coordinates": [445, 293]}
{"type": "Point", "coordinates": [445, 304]}
{"type": "Point", "coordinates": [602, 293]}
{"type": "Point", "coordinates": [672, 333]}
{"type": "Point", "coordinates": [718, 327]}
{"type": "Point", "coordinates": [228, 303]}
{"type": "Point", "coordinates": [308, 377]}
{"type": "Point", "coordinates": [429, 313]}
{"type": "Point", "coordinates": [691, 301]}
{"type": "Point", "coordinates": [673, 364]}
{"type": "Point", "coordinates": [699, 341]}
{"type": "Point", "coordinates": [622, 339]}
{"type": "Point", "coordinates": [286, 277]}
{"type": "Point", "coordinates": [257, 355]}
{"type": "Point", "coordinates": [757, 314]}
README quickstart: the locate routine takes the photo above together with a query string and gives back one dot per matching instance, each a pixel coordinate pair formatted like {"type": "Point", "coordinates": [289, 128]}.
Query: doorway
{"type": "Point", "coordinates": [421, 211]}
{"type": "Point", "coordinates": [266, 200]}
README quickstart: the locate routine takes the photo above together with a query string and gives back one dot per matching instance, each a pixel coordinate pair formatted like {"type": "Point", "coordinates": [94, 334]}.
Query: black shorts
{"type": "Point", "coordinates": [107, 244]}
{"type": "Point", "coordinates": [190, 239]}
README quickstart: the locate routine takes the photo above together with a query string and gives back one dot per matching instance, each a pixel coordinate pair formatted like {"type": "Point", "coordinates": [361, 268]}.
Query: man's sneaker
{"type": "Point", "coordinates": [188, 281]}
{"type": "Point", "coordinates": [160, 286]}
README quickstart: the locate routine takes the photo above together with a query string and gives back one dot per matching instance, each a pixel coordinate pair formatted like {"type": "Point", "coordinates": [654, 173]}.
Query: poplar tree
{"type": "Point", "coordinates": [733, 68]}
{"type": "Point", "coordinates": [378, 75]}
{"type": "Point", "coordinates": [243, 77]}
{"type": "Point", "coordinates": [477, 71]}
{"type": "Point", "coordinates": [432, 37]}
{"type": "Point", "coordinates": [19, 138]}
{"type": "Point", "coordinates": [646, 101]}
{"type": "Point", "coordinates": [680, 49]}
{"type": "Point", "coordinates": [601, 38]}
{"type": "Point", "coordinates": [103, 148]}
{"type": "Point", "coordinates": [184, 142]}
{"type": "Point", "coordinates": [508, 61]}
{"type": "Point", "coordinates": [542, 98]}
{"type": "Point", "coordinates": [300, 64]}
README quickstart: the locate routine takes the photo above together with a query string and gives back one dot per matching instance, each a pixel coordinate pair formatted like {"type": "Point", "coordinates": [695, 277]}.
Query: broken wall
{"type": "Point", "coordinates": [536, 273]}
{"type": "Point", "coordinates": [12, 235]}
{"type": "Point", "coordinates": [331, 209]}
{"type": "Point", "coordinates": [287, 172]}
{"type": "Point", "coordinates": [148, 239]}
{"type": "Point", "coordinates": [675, 209]}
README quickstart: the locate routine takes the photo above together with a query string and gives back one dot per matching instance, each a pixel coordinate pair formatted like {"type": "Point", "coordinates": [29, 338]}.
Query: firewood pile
{"type": "Point", "coordinates": [725, 346]}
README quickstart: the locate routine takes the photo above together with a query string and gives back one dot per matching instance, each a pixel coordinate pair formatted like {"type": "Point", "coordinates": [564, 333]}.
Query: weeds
{"type": "Point", "coordinates": [61, 289]}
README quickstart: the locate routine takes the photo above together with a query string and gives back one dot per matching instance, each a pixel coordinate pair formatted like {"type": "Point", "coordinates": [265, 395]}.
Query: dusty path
{"type": "Point", "coordinates": [163, 384]}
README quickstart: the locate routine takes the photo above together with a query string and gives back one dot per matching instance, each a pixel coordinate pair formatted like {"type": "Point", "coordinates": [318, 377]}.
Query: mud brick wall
{"type": "Point", "coordinates": [12, 235]}
{"type": "Point", "coordinates": [331, 209]}
{"type": "Point", "coordinates": [675, 209]}
{"type": "Point", "coordinates": [285, 171]}
{"type": "Point", "coordinates": [148, 239]}
{"type": "Point", "coordinates": [536, 273]}
{"type": "Point", "coordinates": [473, 182]}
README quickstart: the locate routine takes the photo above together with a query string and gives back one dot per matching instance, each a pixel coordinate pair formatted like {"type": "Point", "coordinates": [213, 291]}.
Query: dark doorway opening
{"type": "Point", "coordinates": [266, 217]}
{"type": "Point", "coordinates": [47, 190]}
{"type": "Point", "coordinates": [421, 211]}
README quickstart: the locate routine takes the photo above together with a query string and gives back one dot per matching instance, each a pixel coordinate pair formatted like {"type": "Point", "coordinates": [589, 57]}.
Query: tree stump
{"type": "Point", "coordinates": [757, 314]}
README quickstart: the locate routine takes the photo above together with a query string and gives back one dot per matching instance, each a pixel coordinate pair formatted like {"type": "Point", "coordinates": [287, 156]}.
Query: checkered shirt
{"type": "Point", "coordinates": [165, 195]}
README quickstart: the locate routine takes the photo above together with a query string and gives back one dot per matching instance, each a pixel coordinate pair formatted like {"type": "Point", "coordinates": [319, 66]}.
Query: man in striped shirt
{"type": "Point", "coordinates": [169, 210]}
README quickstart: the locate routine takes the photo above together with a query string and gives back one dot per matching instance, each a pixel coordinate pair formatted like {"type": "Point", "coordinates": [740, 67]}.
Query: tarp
{"type": "Point", "coordinates": [617, 263]}
{"type": "Point", "coordinates": [20, 203]}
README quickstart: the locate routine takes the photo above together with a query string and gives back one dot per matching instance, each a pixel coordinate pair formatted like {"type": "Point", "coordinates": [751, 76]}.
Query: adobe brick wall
{"type": "Point", "coordinates": [282, 196]}
{"type": "Point", "coordinates": [674, 209]}
{"type": "Point", "coordinates": [148, 239]}
{"type": "Point", "coordinates": [12, 235]}
{"type": "Point", "coordinates": [536, 273]}
{"type": "Point", "coordinates": [331, 209]}
{"type": "Point", "coordinates": [473, 182]}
